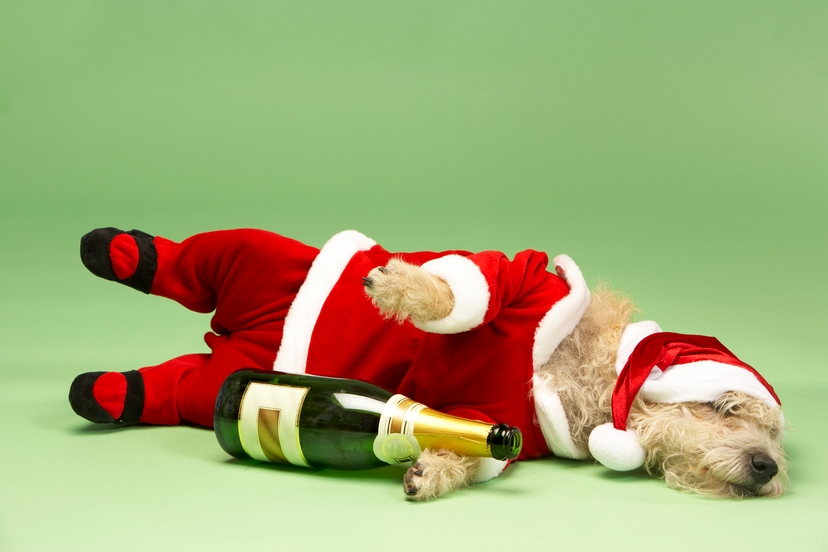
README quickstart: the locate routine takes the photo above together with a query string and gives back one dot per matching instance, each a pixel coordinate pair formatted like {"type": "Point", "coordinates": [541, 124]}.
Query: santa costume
{"type": "Point", "coordinates": [282, 305]}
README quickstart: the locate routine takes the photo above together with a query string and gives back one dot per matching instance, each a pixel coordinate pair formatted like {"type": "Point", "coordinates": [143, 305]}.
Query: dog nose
{"type": "Point", "coordinates": [763, 468]}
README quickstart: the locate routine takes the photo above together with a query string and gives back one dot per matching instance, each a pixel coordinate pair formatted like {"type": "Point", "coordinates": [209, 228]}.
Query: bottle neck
{"type": "Point", "coordinates": [407, 427]}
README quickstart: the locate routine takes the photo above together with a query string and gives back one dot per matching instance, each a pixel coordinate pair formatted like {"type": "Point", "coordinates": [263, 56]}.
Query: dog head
{"type": "Point", "coordinates": [731, 447]}
{"type": "Point", "coordinates": [689, 410]}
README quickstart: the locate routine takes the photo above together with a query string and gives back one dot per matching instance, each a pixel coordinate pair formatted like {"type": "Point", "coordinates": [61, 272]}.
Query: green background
{"type": "Point", "coordinates": [678, 150]}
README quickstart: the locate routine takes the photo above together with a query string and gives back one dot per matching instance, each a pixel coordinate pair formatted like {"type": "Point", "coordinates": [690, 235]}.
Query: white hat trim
{"type": "Point", "coordinates": [632, 335]}
{"type": "Point", "coordinates": [324, 273]}
{"type": "Point", "coordinates": [700, 381]}
{"type": "Point", "coordinates": [703, 381]}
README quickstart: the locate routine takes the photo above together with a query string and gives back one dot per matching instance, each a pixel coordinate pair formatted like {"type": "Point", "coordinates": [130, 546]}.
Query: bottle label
{"type": "Point", "coordinates": [269, 423]}
{"type": "Point", "coordinates": [395, 442]}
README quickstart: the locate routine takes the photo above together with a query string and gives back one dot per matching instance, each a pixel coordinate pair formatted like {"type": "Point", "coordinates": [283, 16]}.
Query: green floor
{"type": "Point", "coordinates": [676, 149]}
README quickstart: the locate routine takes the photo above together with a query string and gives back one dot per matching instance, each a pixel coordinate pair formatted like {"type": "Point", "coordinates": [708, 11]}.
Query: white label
{"type": "Point", "coordinates": [269, 423]}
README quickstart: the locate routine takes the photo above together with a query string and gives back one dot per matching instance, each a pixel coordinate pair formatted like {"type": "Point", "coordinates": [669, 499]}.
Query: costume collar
{"type": "Point", "coordinates": [553, 421]}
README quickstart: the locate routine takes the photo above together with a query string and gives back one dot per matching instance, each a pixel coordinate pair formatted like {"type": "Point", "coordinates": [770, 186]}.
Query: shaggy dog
{"type": "Point", "coordinates": [477, 335]}
{"type": "Point", "coordinates": [728, 448]}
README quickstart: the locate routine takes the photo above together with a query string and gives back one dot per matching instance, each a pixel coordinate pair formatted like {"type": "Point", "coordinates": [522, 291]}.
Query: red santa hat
{"type": "Point", "coordinates": [670, 368]}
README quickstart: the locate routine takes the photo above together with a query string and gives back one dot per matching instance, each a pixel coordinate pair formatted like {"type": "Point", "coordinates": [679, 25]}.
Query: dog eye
{"type": "Point", "coordinates": [725, 410]}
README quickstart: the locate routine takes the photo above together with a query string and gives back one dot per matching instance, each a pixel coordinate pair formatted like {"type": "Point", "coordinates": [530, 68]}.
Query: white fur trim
{"type": "Point", "coordinates": [489, 468]}
{"type": "Point", "coordinates": [323, 275]}
{"type": "Point", "coordinates": [701, 381]}
{"type": "Point", "coordinates": [632, 335]}
{"type": "Point", "coordinates": [618, 450]}
{"type": "Point", "coordinates": [471, 294]}
{"type": "Point", "coordinates": [564, 315]}
{"type": "Point", "coordinates": [553, 422]}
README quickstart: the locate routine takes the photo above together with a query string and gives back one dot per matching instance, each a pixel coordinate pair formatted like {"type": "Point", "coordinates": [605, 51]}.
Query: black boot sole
{"type": "Point", "coordinates": [94, 253]}
{"type": "Point", "coordinates": [84, 404]}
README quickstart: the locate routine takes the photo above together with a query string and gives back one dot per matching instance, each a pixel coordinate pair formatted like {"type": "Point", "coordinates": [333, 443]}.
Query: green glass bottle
{"type": "Point", "coordinates": [336, 423]}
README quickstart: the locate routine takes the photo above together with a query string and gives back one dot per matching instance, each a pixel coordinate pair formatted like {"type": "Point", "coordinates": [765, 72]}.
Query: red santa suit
{"type": "Point", "coordinates": [283, 305]}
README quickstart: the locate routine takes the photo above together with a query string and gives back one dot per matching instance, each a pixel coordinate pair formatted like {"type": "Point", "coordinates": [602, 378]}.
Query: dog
{"type": "Point", "coordinates": [731, 447]}
{"type": "Point", "coordinates": [478, 335]}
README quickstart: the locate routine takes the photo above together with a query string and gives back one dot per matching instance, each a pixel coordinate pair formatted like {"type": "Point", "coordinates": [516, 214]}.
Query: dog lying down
{"type": "Point", "coordinates": [477, 335]}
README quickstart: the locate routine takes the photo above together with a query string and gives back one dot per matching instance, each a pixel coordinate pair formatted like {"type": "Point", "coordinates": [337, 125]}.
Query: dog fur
{"type": "Point", "coordinates": [730, 448]}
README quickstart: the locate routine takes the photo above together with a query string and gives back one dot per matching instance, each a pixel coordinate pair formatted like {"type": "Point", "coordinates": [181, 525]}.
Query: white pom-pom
{"type": "Point", "coordinates": [618, 450]}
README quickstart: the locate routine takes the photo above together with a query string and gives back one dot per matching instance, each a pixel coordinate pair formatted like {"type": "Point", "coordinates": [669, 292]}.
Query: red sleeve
{"type": "Point", "coordinates": [470, 414]}
{"type": "Point", "coordinates": [483, 284]}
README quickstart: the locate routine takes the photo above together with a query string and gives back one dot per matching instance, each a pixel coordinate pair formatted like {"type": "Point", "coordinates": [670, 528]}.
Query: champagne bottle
{"type": "Point", "coordinates": [336, 423]}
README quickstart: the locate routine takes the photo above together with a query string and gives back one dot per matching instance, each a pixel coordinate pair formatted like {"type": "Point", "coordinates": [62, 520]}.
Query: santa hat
{"type": "Point", "coordinates": [669, 368]}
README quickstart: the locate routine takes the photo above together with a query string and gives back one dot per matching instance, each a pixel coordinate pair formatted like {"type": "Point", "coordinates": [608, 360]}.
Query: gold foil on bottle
{"type": "Point", "coordinates": [424, 427]}
{"type": "Point", "coordinates": [434, 429]}
{"type": "Point", "coordinates": [403, 406]}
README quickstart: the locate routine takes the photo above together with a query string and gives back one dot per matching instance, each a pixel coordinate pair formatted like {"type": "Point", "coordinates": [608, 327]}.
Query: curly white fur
{"type": "Point", "coordinates": [438, 472]}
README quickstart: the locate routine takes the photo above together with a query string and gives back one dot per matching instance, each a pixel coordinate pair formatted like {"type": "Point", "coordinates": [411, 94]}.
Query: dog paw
{"type": "Point", "coordinates": [404, 291]}
{"type": "Point", "coordinates": [411, 483]}
{"type": "Point", "coordinates": [437, 473]}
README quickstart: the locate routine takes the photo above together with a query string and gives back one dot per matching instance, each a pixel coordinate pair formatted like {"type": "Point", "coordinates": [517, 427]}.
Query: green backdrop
{"type": "Point", "coordinates": [676, 149]}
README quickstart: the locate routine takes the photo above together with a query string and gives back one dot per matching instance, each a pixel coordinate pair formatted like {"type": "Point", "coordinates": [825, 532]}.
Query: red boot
{"type": "Point", "coordinates": [126, 257]}
{"type": "Point", "coordinates": [108, 396]}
